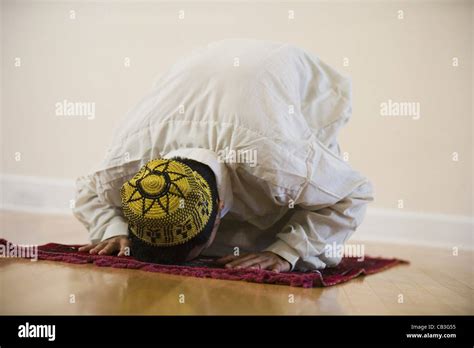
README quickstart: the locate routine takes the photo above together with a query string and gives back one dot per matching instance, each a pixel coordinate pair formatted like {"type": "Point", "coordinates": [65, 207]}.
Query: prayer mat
{"type": "Point", "coordinates": [205, 267]}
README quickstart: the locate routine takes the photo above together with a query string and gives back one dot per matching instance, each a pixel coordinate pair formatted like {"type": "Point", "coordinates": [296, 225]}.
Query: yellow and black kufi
{"type": "Point", "coordinates": [167, 203]}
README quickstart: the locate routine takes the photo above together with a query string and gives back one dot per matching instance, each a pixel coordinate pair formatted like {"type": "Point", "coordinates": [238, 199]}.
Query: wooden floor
{"type": "Point", "coordinates": [436, 282]}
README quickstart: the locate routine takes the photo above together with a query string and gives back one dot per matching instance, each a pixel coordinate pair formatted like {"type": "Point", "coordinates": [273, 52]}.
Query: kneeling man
{"type": "Point", "coordinates": [234, 154]}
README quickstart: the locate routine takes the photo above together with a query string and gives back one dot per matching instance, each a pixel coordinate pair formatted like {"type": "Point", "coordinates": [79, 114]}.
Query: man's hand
{"type": "Point", "coordinates": [108, 246]}
{"type": "Point", "coordinates": [263, 260]}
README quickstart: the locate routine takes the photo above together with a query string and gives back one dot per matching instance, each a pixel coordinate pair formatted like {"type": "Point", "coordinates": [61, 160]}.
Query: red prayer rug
{"type": "Point", "coordinates": [349, 268]}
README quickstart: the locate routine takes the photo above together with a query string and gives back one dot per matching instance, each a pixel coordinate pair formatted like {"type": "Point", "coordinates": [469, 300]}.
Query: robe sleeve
{"type": "Point", "coordinates": [327, 212]}
{"type": "Point", "coordinates": [102, 219]}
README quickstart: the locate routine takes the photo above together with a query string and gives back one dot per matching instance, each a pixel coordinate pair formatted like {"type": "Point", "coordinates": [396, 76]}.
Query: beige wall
{"type": "Point", "coordinates": [406, 60]}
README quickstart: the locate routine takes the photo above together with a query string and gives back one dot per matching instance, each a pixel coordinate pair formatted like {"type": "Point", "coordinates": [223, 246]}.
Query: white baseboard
{"type": "Point", "coordinates": [36, 194]}
{"type": "Point", "coordinates": [428, 229]}
{"type": "Point", "coordinates": [52, 196]}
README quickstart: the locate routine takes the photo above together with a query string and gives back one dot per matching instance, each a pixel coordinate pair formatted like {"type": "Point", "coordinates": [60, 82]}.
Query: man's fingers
{"type": "Point", "coordinates": [98, 248]}
{"type": "Point", "coordinates": [226, 259]}
{"type": "Point", "coordinates": [267, 263]}
{"type": "Point", "coordinates": [109, 248]}
{"type": "Point", "coordinates": [87, 247]}
{"type": "Point", "coordinates": [251, 262]}
{"type": "Point", "coordinates": [276, 268]}
{"type": "Point", "coordinates": [239, 260]}
{"type": "Point", "coordinates": [262, 261]}
{"type": "Point", "coordinates": [124, 244]}
{"type": "Point", "coordinates": [229, 258]}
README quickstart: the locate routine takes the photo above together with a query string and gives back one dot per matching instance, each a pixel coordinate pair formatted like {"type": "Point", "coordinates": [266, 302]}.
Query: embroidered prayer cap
{"type": "Point", "coordinates": [166, 203]}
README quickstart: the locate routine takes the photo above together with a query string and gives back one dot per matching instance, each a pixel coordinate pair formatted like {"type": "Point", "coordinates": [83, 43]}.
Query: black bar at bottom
{"type": "Point", "coordinates": [414, 330]}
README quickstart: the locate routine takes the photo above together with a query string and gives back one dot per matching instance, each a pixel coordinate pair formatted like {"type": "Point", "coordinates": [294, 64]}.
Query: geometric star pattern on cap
{"type": "Point", "coordinates": [146, 187]}
{"type": "Point", "coordinates": [167, 202]}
